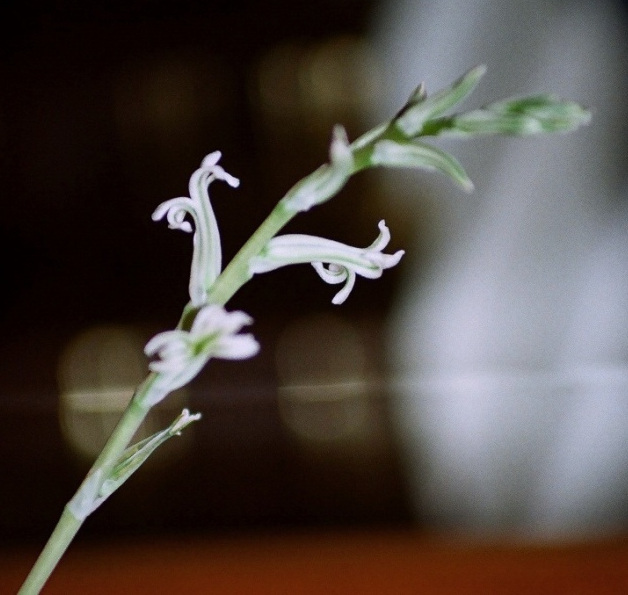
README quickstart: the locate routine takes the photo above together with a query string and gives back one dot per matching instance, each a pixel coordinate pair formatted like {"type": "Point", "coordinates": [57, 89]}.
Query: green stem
{"type": "Point", "coordinates": [69, 524]}
{"type": "Point", "coordinates": [59, 540]}
{"type": "Point", "coordinates": [123, 433]}
{"type": "Point", "coordinates": [237, 272]}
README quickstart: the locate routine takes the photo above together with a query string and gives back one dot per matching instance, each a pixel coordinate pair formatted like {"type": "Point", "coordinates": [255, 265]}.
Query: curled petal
{"type": "Point", "coordinates": [221, 174]}
{"type": "Point", "coordinates": [175, 210]}
{"type": "Point", "coordinates": [382, 239]}
{"type": "Point", "coordinates": [209, 164]}
{"type": "Point", "coordinates": [343, 294]}
{"type": "Point", "coordinates": [211, 159]}
{"type": "Point", "coordinates": [334, 274]}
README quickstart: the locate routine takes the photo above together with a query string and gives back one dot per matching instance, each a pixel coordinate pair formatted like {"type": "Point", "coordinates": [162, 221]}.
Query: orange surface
{"type": "Point", "coordinates": [332, 563]}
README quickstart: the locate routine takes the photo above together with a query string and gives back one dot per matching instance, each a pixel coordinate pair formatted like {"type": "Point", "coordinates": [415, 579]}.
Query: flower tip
{"type": "Point", "coordinates": [418, 95]}
{"type": "Point", "coordinates": [340, 134]}
{"type": "Point", "coordinates": [476, 73]}
{"type": "Point", "coordinates": [340, 150]}
{"type": "Point", "coordinates": [396, 257]}
{"type": "Point", "coordinates": [467, 185]}
{"type": "Point", "coordinates": [184, 419]}
{"type": "Point", "coordinates": [183, 226]}
{"type": "Point", "coordinates": [211, 159]}
{"type": "Point", "coordinates": [160, 211]}
{"type": "Point", "coordinates": [338, 299]}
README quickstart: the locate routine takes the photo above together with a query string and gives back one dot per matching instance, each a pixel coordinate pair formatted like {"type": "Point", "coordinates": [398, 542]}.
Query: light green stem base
{"type": "Point", "coordinates": [57, 544]}
{"type": "Point", "coordinates": [69, 524]}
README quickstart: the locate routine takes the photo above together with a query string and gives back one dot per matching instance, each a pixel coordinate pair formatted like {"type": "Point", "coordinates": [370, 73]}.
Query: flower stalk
{"type": "Point", "coordinates": [207, 330]}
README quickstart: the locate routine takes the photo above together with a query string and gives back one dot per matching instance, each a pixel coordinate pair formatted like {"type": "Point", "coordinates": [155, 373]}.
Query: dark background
{"type": "Point", "coordinates": [105, 111]}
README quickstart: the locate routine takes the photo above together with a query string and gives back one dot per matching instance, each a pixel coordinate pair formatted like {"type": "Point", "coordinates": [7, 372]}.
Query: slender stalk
{"type": "Point", "coordinates": [229, 281]}
{"type": "Point", "coordinates": [57, 544]}
{"type": "Point", "coordinates": [236, 273]}
{"type": "Point", "coordinates": [69, 524]}
{"type": "Point", "coordinates": [124, 431]}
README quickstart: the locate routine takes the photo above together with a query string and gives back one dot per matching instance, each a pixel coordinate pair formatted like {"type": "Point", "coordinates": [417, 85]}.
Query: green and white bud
{"type": "Point", "coordinates": [416, 154]}
{"type": "Point", "coordinates": [538, 114]}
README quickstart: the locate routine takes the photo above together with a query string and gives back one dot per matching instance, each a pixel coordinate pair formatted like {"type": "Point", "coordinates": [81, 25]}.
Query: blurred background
{"type": "Point", "coordinates": [363, 415]}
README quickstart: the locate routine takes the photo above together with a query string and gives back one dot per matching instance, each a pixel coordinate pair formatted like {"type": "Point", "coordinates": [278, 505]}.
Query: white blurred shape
{"type": "Point", "coordinates": [514, 307]}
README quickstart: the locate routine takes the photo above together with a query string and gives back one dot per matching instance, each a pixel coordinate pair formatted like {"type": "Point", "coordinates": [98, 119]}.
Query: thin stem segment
{"type": "Point", "coordinates": [57, 544]}
{"type": "Point", "coordinates": [69, 524]}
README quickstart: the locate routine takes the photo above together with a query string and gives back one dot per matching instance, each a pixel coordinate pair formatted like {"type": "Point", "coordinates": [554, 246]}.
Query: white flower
{"type": "Point", "coordinates": [343, 262]}
{"type": "Point", "coordinates": [182, 354]}
{"type": "Point", "coordinates": [327, 180]}
{"type": "Point", "coordinates": [207, 255]}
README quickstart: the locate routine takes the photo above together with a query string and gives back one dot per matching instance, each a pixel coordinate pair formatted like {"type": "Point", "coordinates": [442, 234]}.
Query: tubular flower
{"type": "Point", "coordinates": [182, 354]}
{"type": "Point", "coordinates": [207, 255]}
{"type": "Point", "coordinates": [333, 261]}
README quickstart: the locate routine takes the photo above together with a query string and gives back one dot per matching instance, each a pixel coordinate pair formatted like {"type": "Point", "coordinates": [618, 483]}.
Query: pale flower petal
{"type": "Point", "coordinates": [237, 347]}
